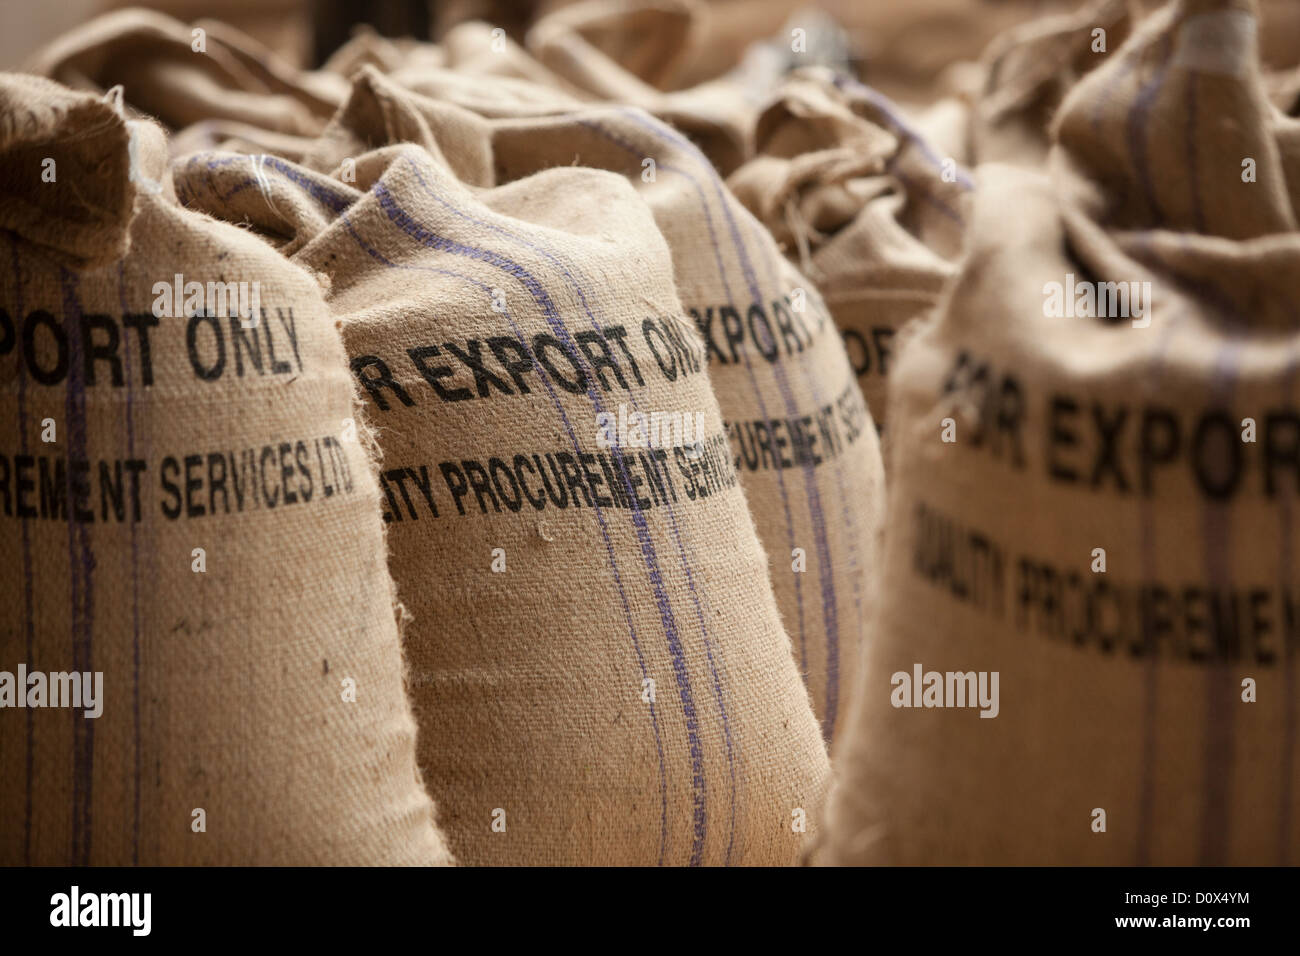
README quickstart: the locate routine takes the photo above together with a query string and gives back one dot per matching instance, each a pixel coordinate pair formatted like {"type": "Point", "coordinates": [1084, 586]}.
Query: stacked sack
{"type": "Point", "coordinates": [595, 51]}
{"type": "Point", "coordinates": [631, 53]}
{"type": "Point", "coordinates": [206, 659]}
{"type": "Point", "coordinates": [1096, 468]}
{"type": "Point", "coordinates": [799, 432]}
{"type": "Point", "coordinates": [208, 77]}
{"type": "Point", "coordinates": [1027, 71]}
{"type": "Point", "coordinates": [873, 213]}
{"type": "Point", "coordinates": [598, 666]}
{"type": "Point", "coordinates": [622, 457]}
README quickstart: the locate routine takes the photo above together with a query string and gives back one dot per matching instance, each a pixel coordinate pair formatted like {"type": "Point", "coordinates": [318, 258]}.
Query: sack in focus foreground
{"type": "Point", "coordinates": [197, 617]}
{"type": "Point", "coordinates": [800, 435]}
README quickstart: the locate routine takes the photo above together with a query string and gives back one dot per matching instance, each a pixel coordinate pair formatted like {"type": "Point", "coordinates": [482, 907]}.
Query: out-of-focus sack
{"type": "Point", "coordinates": [1090, 621]}
{"type": "Point", "coordinates": [182, 74]}
{"type": "Point", "coordinates": [871, 212]}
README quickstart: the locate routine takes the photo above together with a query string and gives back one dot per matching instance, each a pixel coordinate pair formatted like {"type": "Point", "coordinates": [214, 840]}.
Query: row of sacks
{"type": "Point", "coordinates": [868, 198]}
{"type": "Point", "coordinates": [236, 382]}
{"type": "Point", "coordinates": [1111, 544]}
{"type": "Point", "coordinates": [1108, 538]}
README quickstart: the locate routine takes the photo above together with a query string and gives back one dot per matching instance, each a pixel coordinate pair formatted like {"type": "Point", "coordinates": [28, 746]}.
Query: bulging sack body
{"type": "Point", "coordinates": [183, 74]}
{"type": "Point", "coordinates": [199, 654]}
{"type": "Point", "coordinates": [633, 54]}
{"type": "Point", "coordinates": [1026, 72]}
{"type": "Point", "coordinates": [598, 665]}
{"type": "Point", "coordinates": [1087, 648]}
{"type": "Point", "coordinates": [864, 204]}
{"type": "Point", "coordinates": [602, 52]}
{"type": "Point", "coordinates": [799, 433]}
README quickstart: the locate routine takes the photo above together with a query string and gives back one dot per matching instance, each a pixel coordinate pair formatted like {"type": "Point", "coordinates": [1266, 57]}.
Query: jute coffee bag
{"type": "Point", "coordinates": [490, 75]}
{"type": "Point", "coordinates": [902, 49]}
{"type": "Point", "coordinates": [630, 53]}
{"type": "Point", "coordinates": [199, 654]}
{"type": "Point", "coordinates": [1028, 70]}
{"type": "Point", "coordinates": [1087, 645]}
{"type": "Point", "coordinates": [234, 137]}
{"type": "Point", "coordinates": [869, 210]}
{"type": "Point", "coordinates": [367, 47]}
{"type": "Point", "coordinates": [800, 434]}
{"type": "Point", "coordinates": [182, 74]}
{"type": "Point", "coordinates": [589, 52]}
{"type": "Point", "coordinates": [599, 670]}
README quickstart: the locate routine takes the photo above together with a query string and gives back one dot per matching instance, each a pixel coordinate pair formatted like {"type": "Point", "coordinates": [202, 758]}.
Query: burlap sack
{"type": "Point", "coordinates": [599, 669]}
{"type": "Point", "coordinates": [235, 137]}
{"type": "Point", "coordinates": [629, 53]}
{"type": "Point", "coordinates": [478, 49]}
{"type": "Point", "coordinates": [467, 54]}
{"type": "Point", "coordinates": [1029, 69]}
{"type": "Point", "coordinates": [1284, 91]}
{"type": "Point", "coordinates": [584, 53]}
{"type": "Point", "coordinates": [191, 522]}
{"type": "Point", "coordinates": [490, 84]}
{"type": "Point", "coordinates": [619, 50]}
{"type": "Point", "coordinates": [182, 74]}
{"type": "Point", "coordinates": [366, 47]}
{"type": "Point", "coordinates": [867, 208]}
{"type": "Point", "coordinates": [801, 436]}
{"type": "Point", "coordinates": [901, 49]}
{"type": "Point", "coordinates": [286, 27]}
{"type": "Point", "coordinates": [1279, 28]}
{"type": "Point", "coordinates": [1113, 528]}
